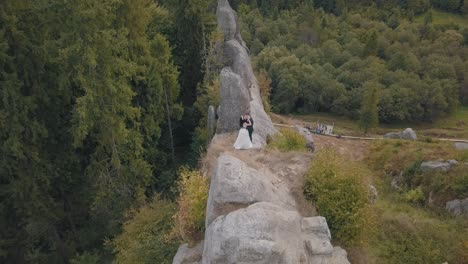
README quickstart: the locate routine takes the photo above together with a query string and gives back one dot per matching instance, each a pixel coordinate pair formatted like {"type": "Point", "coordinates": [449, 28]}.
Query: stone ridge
{"type": "Point", "coordinates": [264, 227]}
{"type": "Point", "coordinates": [239, 91]}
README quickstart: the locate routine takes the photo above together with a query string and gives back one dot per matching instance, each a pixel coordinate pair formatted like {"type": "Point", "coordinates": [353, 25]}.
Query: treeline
{"type": "Point", "coordinates": [319, 61]}
{"type": "Point", "coordinates": [411, 7]}
{"type": "Point", "coordinates": [95, 101]}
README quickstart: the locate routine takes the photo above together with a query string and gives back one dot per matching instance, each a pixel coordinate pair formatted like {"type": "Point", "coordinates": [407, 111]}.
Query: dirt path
{"type": "Point", "coordinates": [283, 168]}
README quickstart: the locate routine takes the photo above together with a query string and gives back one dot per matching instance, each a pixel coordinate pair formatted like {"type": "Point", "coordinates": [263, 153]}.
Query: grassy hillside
{"type": "Point", "coordinates": [412, 226]}
{"type": "Point", "coordinates": [454, 125]}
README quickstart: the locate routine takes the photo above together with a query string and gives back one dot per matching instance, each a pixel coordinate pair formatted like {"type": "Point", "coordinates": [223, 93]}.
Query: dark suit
{"type": "Point", "coordinates": [249, 128]}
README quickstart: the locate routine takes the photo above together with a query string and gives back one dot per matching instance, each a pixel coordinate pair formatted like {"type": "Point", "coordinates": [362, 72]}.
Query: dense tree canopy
{"type": "Point", "coordinates": [99, 101]}
{"type": "Point", "coordinates": [87, 91]}
{"type": "Point", "coordinates": [318, 61]}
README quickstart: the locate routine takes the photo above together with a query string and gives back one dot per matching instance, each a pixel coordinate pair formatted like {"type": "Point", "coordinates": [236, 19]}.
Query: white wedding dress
{"type": "Point", "coordinates": [243, 140]}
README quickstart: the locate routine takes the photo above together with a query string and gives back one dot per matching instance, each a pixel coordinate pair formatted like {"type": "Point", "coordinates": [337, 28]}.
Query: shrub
{"type": "Point", "coordinates": [288, 140]}
{"type": "Point", "coordinates": [189, 219]}
{"type": "Point", "coordinates": [410, 172]}
{"type": "Point", "coordinates": [415, 196]}
{"type": "Point", "coordinates": [409, 235]}
{"type": "Point", "coordinates": [340, 193]}
{"type": "Point", "coordinates": [142, 239]}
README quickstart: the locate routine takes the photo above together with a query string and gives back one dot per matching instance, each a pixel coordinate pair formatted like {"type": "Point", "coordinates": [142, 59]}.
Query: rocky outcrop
{"type": "Point", "coordinates": [267, 233]}
{"type": "Point", "coordinates": [252, 215]}
{"type": "Point", "coordinates": [188, 255]}
{"type": "Point", "coordinates": [407, 134]}
{"type": "Point", "coordinates": [457, 207]}
{"type": "Point", "coordinates": [438, 165]}
{"type": "Point", "coordinates": [234, 101]}
{"type": "Point", "coordinates": [461, 145]}
{"type": "Point", "coordinates": [252, 218]}
{"type": "Point", "coordinates": [234, 184]}
{"type": "Point", "coordinates": [239, 92]}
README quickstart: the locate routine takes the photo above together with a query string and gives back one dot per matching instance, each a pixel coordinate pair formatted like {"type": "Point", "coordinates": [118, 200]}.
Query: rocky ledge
{"type": "Point", "coordinates": [251, 220]}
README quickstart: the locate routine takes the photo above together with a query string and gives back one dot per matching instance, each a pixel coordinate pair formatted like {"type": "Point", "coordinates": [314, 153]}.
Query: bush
{"type": "Point", "coordinates": [340, 193]}
{"type": "Point", "coordinates": [142, 239]}
{"type": "Point", "coordinates": [190, 217]}
{"type": "Point", "coordinates": [411, 235]}
{"type": "Point", "coordinates": [288, 140]}
{"type": "Point", "coordinates": [415, 196]}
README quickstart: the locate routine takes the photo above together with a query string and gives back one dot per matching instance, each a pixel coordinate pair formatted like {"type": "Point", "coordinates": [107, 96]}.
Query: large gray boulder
{"type": "Point", "coordinates": [239, 93]}
{"type": "Point", "coordinates": [267, 233]}
{"type": "Point", "coordinates": [234, 101]}
{"type": "Point", "coordinates": [457, 207]}
{"type": "Point", "coordinates": [438, 165]}
{"type": "Point", "coordinates": [407, 134]}
{"type": "Point", "coordinates": [188, 255]}
{"type": "Point", "coordinates": [235, 185]}
{"type": "Point", "coordinates": [461, 145]}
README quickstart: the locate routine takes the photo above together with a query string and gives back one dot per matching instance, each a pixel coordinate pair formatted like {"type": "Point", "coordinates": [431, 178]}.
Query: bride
{"type": "Point", "coordinates": [243, 139]}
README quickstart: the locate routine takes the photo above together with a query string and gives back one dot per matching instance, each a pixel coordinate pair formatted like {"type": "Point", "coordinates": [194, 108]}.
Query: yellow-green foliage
{"type": "Point", "coordinates": [340, 192]}
{"type": "Point", "coordinates": [397, 155]}
{"type": "Point", "coordinates": [190, 216]}
{"type": "Point", "coordinates": [142, 239]}
{"type": "Point", "coordinates": [288, 140]}
{"type": "Point", "coordinates": [412, 235]}
{"type": "Point", "coordinates": [415, 196]}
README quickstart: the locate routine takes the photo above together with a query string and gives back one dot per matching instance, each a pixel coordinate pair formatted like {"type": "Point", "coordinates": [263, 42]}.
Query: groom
{"type": "Point", "coordinates": [249, 120]}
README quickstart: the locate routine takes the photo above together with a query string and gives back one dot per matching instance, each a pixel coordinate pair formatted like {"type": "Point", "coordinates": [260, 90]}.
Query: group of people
{"type": "Point", "coordinates": [244, 138]}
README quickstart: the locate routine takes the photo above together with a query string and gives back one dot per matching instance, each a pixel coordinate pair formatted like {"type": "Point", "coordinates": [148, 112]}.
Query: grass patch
{"type": "Point", "coordinates": [397, 155]}
{"type": "Point", "coordinates": [339, 190]}
{"type": "Point", "coordinates": [454, 125]}
{"type": "Point", "coordinates": [409, 234]}
{"type": "Point", "coordinates": [288, 140]}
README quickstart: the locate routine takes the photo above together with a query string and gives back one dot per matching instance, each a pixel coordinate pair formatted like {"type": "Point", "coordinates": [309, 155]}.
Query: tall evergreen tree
{"type": "Point", "coordinates": [81, 113]}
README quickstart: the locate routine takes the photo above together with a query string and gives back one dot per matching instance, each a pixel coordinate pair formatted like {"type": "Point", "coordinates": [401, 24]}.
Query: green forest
{"type": "Point", "coordinates": [103, 103]}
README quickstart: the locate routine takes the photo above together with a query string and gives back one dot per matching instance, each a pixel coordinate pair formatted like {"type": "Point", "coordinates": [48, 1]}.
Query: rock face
{"type": "Point", "coordinates": [407, 134]}
{"type": "Point", "coordinates": [234, 184]}
{"type": "Point", "coordinates": [266, 233]}
{"type": "Point", "coordinates": [186, 255]}
{"type": "Point", "coordinates": [239, 92]}
{"type": "Point", "coordinates": [461, 145]}
{"type": "Point", "coordinates": [251, 220]}
{"type": "Point", "coordinates": [234, 101]}
{"type": "Point", "coordinates": [457, 207]}
{"type": "Point", "coordinates": [438, 165]}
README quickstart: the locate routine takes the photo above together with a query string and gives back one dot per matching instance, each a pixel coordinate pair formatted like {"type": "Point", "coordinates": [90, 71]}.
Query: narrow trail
{"type": "Point", "coordinates": [364, 138]}
{"type": "Point", "coordinates": [283, 169]}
